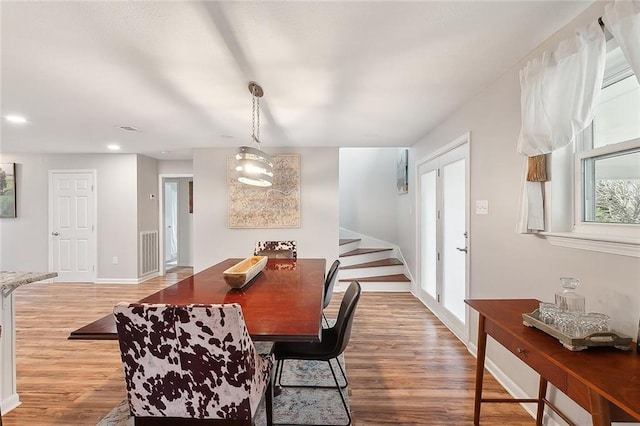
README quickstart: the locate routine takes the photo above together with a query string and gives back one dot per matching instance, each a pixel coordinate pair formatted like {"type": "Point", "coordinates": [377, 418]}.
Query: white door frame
{"type": "Point", "coordinates": [447, 318]}
{"type": "Point", "coordinates": [93, 245]}
{"type": "Point", "coordinates": [161, 178]}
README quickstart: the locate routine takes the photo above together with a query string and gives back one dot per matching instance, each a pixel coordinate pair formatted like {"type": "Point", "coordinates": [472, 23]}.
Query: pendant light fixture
{"type": "Point", "coordinates": [254, 166]}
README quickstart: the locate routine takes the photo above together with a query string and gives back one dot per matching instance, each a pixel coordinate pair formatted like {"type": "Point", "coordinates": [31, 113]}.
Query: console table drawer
{"type": "Point", "coordinates": [529, 355]}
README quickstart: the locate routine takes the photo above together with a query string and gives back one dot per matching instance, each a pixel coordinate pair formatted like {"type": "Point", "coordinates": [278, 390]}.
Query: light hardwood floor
{"type": "Point", "coordinates": [404, 366]}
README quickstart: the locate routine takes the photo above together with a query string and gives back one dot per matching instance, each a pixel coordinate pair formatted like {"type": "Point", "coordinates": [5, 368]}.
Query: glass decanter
{"type": "Point", "coordinates": [567, 299]}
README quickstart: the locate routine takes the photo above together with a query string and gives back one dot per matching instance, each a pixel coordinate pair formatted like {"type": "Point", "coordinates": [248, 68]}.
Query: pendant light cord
{"type": "Point", "coordinates": [255, 118]}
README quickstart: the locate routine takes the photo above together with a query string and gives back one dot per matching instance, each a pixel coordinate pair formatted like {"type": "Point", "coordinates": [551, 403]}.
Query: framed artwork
{"type": "Point", "coordinates": [402, 173]}
{"type": "Point", "coordinates": [7, 190]}
{"type": "Point", "coordinates": [277, 206]}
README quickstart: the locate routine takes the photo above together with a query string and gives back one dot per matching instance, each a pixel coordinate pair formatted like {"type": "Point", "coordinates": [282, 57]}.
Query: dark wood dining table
{"type": "Point", "coordinates": [282, 303]}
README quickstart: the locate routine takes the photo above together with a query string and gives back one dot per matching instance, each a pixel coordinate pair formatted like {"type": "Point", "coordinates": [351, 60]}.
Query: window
{"type": "Point", "coordinates": [611, 188]}
{"type": "Point", "coordinates": [609, 152]}
{"type": "Point", "coordinates": [606, 160]}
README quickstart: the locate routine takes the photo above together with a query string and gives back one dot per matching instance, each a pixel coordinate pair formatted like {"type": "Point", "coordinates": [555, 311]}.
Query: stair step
{"type": "Point", "coordinates": [385, 278]}
{"type": "Point", "coordinates": [377, 263]}
{"type": "Point", "coordinates": [347, 245]}
{"type": "Point", "coordinates": [364, 251]}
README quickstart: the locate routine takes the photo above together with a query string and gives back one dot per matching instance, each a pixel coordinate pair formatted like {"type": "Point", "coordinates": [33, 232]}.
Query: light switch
{"type": "Point", "coordinates": [482, 207]}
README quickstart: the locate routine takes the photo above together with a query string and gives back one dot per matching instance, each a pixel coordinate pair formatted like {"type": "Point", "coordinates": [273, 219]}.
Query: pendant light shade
{"type": "Point", "coordinates": [253, 165]}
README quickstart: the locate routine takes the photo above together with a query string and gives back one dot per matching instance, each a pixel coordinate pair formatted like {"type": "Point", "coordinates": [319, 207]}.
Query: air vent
{"type": "Point", "coordinates": [128, 128]}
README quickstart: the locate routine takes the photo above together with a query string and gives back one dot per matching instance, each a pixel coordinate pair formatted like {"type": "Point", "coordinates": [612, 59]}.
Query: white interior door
{"type": "Point", "coordinates": [72, 225]}
{"type": "Point", "coordinates": [443, 222]}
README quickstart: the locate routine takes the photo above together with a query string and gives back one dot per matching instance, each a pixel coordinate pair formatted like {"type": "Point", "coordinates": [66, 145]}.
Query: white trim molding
{"type": "Point", "coordinates": [612, 245]}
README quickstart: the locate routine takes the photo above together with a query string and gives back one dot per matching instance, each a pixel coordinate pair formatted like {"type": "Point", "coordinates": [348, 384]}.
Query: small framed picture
{"type": "Point", "coordinates": [7, 190]}
{"type": "Point", "coordinates": [402, 173]}
{"type": "Point", "coordinates": [638, 339]}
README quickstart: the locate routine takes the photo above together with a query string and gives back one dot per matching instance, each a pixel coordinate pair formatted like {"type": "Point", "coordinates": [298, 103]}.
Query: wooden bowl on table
{"type": "Point", "coordinates": [244, 271]}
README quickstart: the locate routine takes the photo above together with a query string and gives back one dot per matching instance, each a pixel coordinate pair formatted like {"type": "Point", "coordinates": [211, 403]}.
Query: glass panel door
{"type": "Point", "coordinates": [428, 238]}
{"type": "Point", "coordinates": [454, 238]}
{"type": "Point", "coordinates": [443, 219]}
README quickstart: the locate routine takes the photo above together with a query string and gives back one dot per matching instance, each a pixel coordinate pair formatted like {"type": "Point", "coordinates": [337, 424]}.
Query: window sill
{"type": "Point", "coordinates": [600, 243]}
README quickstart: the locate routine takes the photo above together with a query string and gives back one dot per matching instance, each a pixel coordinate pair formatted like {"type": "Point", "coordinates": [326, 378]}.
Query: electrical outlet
{"type": "Point", "coordinates": [115, 260]}
{"type": "Point", "coordinates": [482, 207]}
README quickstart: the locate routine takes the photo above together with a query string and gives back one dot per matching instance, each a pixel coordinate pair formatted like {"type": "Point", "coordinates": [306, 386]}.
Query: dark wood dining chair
{"type": "Point", "coordinates": [191, 364]}
{"type": "Point", "coordinates": [332, 344]}
{"type": "Point", "coordinates": [276, 249]}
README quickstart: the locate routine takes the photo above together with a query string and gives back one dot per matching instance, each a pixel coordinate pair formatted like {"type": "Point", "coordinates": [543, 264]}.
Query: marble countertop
{"type": "Point", "coordinates": [10, 280]}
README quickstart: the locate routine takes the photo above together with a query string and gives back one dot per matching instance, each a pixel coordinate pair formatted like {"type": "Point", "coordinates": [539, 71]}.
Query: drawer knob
{"type": "Point", "coordinates": [520, 350]}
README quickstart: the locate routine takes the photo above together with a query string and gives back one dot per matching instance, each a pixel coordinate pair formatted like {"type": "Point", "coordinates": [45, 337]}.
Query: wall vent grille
{"type": "Point", "coordinates": [148, 252]}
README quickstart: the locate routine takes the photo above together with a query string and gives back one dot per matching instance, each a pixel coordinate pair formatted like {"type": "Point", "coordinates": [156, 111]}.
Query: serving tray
{"type": "Point", "coordinates": [604, 338]}
{"type": "Point", "coordinates": [242, 272]}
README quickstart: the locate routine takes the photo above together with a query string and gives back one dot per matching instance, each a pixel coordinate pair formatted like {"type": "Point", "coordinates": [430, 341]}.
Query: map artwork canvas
{"type": "Point", "coordinates": [277, 206]}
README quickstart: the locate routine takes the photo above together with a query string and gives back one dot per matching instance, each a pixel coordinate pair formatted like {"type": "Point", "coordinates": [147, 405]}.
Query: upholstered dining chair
{"type": "Point", "coordinates": [333, 342]}
{"type": "Point", "coordinates": [276, 249]}
{"type": "Point", "coordinates": [188, 364]}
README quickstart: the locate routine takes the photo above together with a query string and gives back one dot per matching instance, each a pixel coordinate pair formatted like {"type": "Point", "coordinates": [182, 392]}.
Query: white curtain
{"type": "Point", "coordinates": [622, 19]}
{"type": "Point", "coordinates": [559, 92]}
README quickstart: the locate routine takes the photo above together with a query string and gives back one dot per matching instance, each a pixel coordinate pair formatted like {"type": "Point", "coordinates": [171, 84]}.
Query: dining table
{"type": "Point", "coordinates": [282, 303]}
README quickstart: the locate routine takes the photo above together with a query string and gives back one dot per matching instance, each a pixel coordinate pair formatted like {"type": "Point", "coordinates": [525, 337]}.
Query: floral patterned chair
{"type": "Point", "coordinates": [188, 363]}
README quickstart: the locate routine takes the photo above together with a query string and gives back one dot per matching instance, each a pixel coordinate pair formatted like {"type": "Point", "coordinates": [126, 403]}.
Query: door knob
{"type": "Point", "coordinates": [466, 249]}
{"type": "Point", "coordinates": [55, 234]}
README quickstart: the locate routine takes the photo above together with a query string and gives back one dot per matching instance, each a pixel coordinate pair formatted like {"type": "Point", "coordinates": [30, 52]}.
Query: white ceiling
{"type": "Point", "coordinates": [368, 73]}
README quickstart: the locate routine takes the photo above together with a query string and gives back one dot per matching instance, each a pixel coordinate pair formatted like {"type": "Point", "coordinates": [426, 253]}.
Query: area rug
{"type": "Point", "coordinates": [302, 406]}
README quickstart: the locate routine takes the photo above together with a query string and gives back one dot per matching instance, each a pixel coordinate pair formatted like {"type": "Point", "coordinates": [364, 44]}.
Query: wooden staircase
{"type": "Point", "coordinates": [376, 269]}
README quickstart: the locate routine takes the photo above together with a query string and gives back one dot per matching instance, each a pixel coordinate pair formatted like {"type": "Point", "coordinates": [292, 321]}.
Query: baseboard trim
{"type": "Point", "coordinates": [126, 280]}
{"type": "Point", "coordinates": [148, 276]}
{"type": "Point", "coordinates": [10, 403]}
{"type": "Point", "coordinates": [117, 281]}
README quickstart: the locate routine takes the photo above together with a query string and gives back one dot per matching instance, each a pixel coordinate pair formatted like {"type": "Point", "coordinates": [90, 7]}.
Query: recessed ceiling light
{"type": "Point", "coordinates": [164, 152]}
{"type": "Point", "coordinates": [18, 119]}
{"type": "Point", "coordinates": [113, 147]}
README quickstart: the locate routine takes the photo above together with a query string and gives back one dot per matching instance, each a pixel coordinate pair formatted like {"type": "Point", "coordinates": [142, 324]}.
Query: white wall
{"type": "Point", "coordinates": [368, 193]}
{"type": "Point", "coordinates": [317, 236]}
{"type": "Point", "coordinates": [25, 239]}
{"type": "Point", "coordinates": [505, 264]}
{"type": "Point", "coordinates": [175, 167]}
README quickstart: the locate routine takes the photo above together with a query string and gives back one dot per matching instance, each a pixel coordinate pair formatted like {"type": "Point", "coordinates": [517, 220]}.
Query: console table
{"type": "Point", "coordinates": [604, 381]}
{"type": "Point", "coordinates": [9, 281]}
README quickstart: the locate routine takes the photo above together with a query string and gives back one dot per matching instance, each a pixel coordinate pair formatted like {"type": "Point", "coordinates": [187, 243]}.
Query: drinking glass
{"type": "Point", "coordinates": [547, 312]}
{"type": "Point", "coordinates": [592, 322]}
{"type": "Point", "coordinates": [566, 323]}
